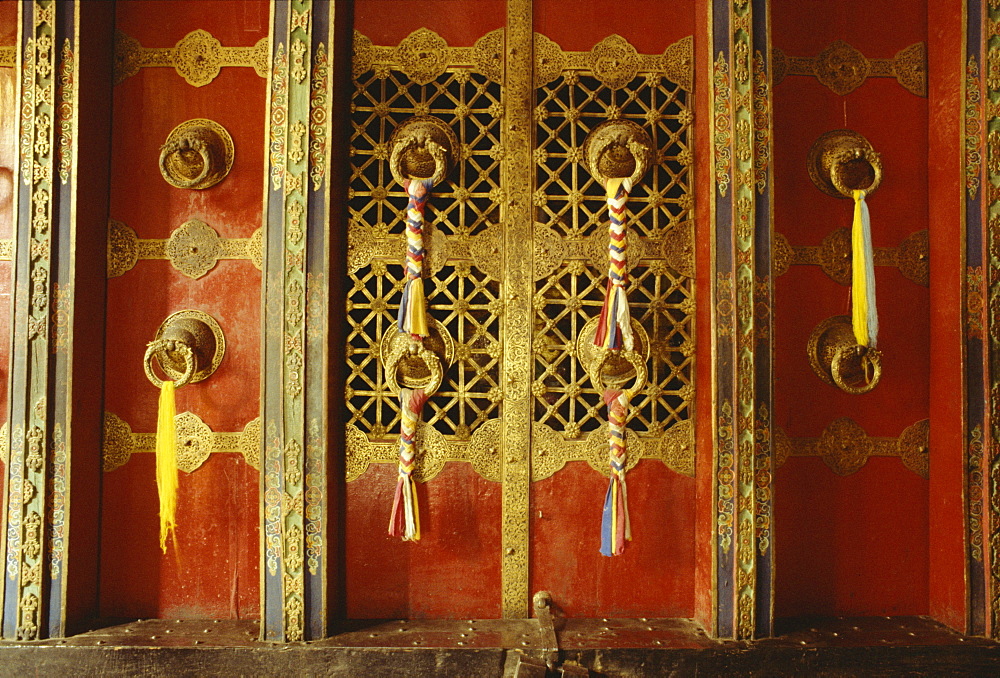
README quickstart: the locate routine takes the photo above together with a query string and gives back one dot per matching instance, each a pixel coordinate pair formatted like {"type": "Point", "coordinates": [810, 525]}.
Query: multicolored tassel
{"type": "Point", "coordinates": [615, 526]}
{"type": "Point", "coordinates": [413, 308]}
{"type": "Point", "coordinates": [864, 314]}
{"type": "Point", "coordinates": [405, 520]}
{"type": "Point", "coordinates": [614, 329]}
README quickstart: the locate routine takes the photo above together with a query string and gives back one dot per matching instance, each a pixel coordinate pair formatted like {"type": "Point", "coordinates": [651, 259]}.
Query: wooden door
{"type": "Point", "coordinates": [512, 458]}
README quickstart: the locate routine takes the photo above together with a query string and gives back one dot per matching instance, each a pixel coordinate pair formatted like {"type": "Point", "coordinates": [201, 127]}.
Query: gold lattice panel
{"type": "Point", "coordinates": [463, 293]}
{"type": "Point", "coordinates": [572, 217]}
{"type": "Point", "coordinates": [569, 200]}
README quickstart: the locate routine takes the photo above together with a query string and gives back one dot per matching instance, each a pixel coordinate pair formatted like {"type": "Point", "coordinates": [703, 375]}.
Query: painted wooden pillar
{"type": "Point", "coordinates": [960, 346]}
{"type": "Point", "coordinates": [52, 482]}
{"type": "Point", "coordinates": [743, 339]}
{"type": "Point", "coordinates": [983, 248]}
{"type": "Point", "coordinates": [296, 325]}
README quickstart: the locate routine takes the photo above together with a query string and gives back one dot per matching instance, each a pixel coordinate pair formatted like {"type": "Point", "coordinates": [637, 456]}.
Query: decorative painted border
{"type": "Point", "coordinates": [842, 68]}
{"type": "Point", "coordinates": [982, 227]}
{"type": "Point", "coordinates": [8, 57]}
{"type": "Point", "coordinates": [32, 606]}
{"type": "Point", "coordinates": [741, 130]}
{"type": "Point", "coordinates": [197, 57]}
{"type": "Point", "coordinates": [297, 237]}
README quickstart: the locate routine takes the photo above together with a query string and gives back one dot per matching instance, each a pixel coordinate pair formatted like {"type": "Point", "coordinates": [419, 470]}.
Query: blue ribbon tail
{"type": "Point", "coordinates": [606, 522]}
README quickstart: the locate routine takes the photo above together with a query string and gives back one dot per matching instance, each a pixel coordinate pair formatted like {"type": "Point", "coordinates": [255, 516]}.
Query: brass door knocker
{"type": "Point", "coordinates": [423, 147]}
{"type": "Point", "coordinates": [837, 359]}
{"type": "Point", "coordinates": [189, 346]}
{"type": "Point", "coordinates": [417, 364]}
{"type": "Point", "coordinates": [843, 161]}
{"type": "Point", "coordinates": [197, 154]}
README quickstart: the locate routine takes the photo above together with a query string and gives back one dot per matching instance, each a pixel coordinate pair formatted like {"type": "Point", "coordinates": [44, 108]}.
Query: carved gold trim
{"type": "Point", "coordinates": [194, 248]}
{"type": "Point", "coordinates": [4, 444]}
{"type": "Point", "coordinates": [911, 257]}
{"type": "Point", "coordinates": [843, 68]}
{"type": "Point", "coordinates": [482, 450]}
{"type": "Point", "coordinates": [195, 442]}
{"type": "Point", "coordinates": [423, 55]}
{"type": "Point", "coordinates": [614, 61]}
{"type": "Point", "coordinates": [8, 57]}
{"type": "Point", "coordinates": [550, 451]}
{"type": "Point", "coordinates": [845, 447]}
{"type": "Point", "coordinates": [197, 57]}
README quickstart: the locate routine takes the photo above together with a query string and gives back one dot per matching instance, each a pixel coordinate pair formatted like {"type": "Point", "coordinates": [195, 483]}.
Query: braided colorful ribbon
{"type": "Point", "coordinates": [614, 329]}
{"type": "Point", "coordinates": [405, 519]}
{"type": "Point", "coordinates": [413, 309]}
{"type": "Point", "coordinates": [614, 332]}
{"type": "Point", "coordinates": [615, 525]}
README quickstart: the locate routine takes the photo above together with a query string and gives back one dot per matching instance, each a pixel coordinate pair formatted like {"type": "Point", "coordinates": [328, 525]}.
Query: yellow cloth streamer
{"type": "Point", "coordinates": [418, 309]}
{"type": "Point", "coordinates": [864, 315]}
{"type": "Point", "coordinates": [166, 464]}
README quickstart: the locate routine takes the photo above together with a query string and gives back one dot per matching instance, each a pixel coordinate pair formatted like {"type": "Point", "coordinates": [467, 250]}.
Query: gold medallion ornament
{"type": "Point", "coordinates": [197, 154]}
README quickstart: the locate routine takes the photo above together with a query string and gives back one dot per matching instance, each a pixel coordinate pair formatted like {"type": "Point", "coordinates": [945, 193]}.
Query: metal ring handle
{"type": "Point", "coordinates": [163, 345]}
{"type": "Point", "coordinates": [844, 157]}
{"type": "Point", "coordinates": [436, 151]}
{"type": "Point", "coordinates": [634, 358]}
{"type": "Point", "coordinates": [429, 358]}
{"type": "Point", "coordinates": [177, 147]}
{"type": "Point", "coordinates": [626, 134]}
{"type": "Point", "coordinates": [866, 353]}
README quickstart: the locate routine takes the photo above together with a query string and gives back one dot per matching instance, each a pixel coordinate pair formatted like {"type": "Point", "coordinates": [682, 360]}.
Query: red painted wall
{"type": "Point", "coordinates": [215, 571]}
{"type": "Point", "coordinates": [856, 544]}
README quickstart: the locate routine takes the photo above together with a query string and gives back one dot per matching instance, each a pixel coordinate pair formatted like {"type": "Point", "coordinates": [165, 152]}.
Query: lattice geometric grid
{"type": "Point", "coordinates": [466, 302]}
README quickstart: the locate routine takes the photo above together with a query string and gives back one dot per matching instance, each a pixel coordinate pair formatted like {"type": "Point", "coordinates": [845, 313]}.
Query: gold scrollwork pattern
{"type": "Point", "coordinates": [550, 451]}
{"type": "Point", "coordinates": [195, 442]}
{"type": "Point", "coordinates": [843, 68]}
{"type": "Point", "coordinates": [613, 62]}
{"type": "Point", "coordinates": [973, 127]}
{"type": "Point", "coordinates": [911, 257]}
{"type": "Point", "coordinates": [197, 57]}
{"type": "Point", "coordinates": [194, 248]}
{"type": "Point", "coordinates": [845, 447]}
{"type": "Point", "coordinates": [8, 57]}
